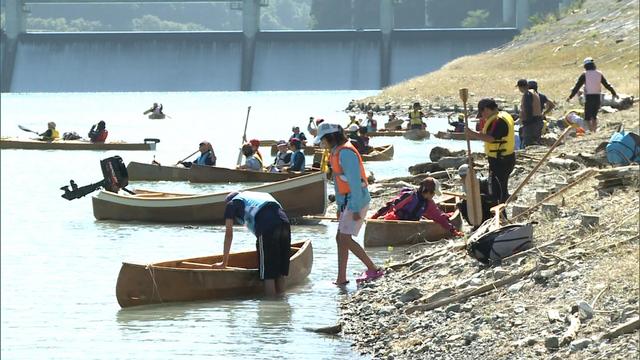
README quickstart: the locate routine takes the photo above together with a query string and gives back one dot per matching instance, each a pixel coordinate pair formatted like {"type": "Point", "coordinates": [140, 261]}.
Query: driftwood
{"type": "Point", "coordinates": [572, 331]}
{"type": "Point", "coordinates": [330, 330]}
{"type": "Point", "coordinates": [473, 292]}
{"type": "Point", "coordinates": [593, 303]}
{"type": "Point", "coordinates": [629, 326]}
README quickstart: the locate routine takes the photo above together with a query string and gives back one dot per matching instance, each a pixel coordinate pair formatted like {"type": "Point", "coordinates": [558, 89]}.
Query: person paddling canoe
{"type": "Point", "coordinates": [51, 133]}
{"type": "Point", "coordinates": [207, 156]}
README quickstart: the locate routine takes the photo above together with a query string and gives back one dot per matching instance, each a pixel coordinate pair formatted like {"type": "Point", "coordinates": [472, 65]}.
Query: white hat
{"type": "Point", "coordinates": [463, 169]}
{"type": "Point", "coordinates": [587, 60]}
{"type": "Point", "coordinates": [325, 129]}
{"type": "Point", "coordinates": [353, 127]}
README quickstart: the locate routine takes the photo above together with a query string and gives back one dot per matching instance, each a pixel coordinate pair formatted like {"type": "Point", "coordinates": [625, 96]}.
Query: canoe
{"type": "Point", "coordinates": [214, 174]}
{"type": "Point", "coordinates": [192, 279]}
{"type": "Point", "coordinates": [151, 172]}
{"type": "Point", "coordinates": [307, 150]}
{"type": "Point", "coordinates": [416, 134]}
{"type": "Point", "coordinates": [34, 144]}
{"type": "Point", "coordinates": [157, 116]}
{"type": "Point", "coordinates": [399, 232]}
{"type": "Point", "coordinates": [394, 125]}
{"type": "Point", "coordinates": [303, 195]}
{"type": "Point", "coordinates": [384, 132]}
{"type": "Point", "coordinates": [379, 153]}
{"type": "Point", "coordinates": [450, 135]}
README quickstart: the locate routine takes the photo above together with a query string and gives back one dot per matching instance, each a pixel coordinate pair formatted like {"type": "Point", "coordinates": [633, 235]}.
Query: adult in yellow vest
{"type": "Point", "coordinates": [352, 198]}
{"type": "Point", "coordinates": [51, 133]}
{"type": "Point", "coordinates": [415, 117]}
{"type": "Point", "coordinates": [499, 145]}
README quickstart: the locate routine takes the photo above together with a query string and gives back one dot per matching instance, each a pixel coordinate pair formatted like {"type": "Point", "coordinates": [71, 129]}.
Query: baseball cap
{"type": "Point", "coordinates": [254, 142]}
{"type": "Point", "coordinates": [587, 60]}
{"type": "Point", "coordinates": [281, 143]}
{"type": "Point", "coordinates": [325, 129]}
{"type": "Point", "coordinates": [521, 82]}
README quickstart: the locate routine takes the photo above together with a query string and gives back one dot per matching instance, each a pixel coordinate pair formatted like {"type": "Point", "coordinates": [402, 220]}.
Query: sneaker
{"type": "Point", "coordinates": [370, 275]}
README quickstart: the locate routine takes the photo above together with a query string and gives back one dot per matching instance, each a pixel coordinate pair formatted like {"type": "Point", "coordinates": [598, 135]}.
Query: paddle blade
{"type": "Point", "coordinates": [27, 130]}
{"type": "Point", "coordinates": [474, 206]}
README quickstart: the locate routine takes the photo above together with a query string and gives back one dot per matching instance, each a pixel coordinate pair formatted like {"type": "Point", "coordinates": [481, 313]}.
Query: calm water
{"type": "Point", "coordinates": [59, 265]}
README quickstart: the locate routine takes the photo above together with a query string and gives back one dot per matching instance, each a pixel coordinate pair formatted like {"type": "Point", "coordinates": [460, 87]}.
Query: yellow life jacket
{"type": "Point", "coordinates": [504, 146]}
{"type": "Point", "coordinates": [324, 161]}
{"type": "Point", "coordinates": [415, 117]}
{"type": "Point", "coordinates": [55, 134]}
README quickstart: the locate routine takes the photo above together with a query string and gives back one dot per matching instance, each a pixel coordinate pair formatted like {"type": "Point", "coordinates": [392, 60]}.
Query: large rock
{"type": "Point", "coordinates": [448, 162]}
{"type": "Point", "coordinates": [424, 168]}
{"type": "Point", "coordinates": [439, 152]}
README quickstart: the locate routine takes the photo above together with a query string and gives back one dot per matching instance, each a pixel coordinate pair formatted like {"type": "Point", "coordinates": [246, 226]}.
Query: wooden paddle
{"type": "Point", "coordinates": [472, 184]}
{"type": "Point", "coordinates": [244, 136]}
{"type": "Point", "coordinates": [188, 156]}
{"type": "Point", "coordinates": [27, 130]}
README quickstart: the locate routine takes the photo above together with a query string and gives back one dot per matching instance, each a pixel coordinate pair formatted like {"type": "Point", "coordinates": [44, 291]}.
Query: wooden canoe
{"type": "Point", "coordinates": [307, 150]}
{"type": "Point", "coordinates": [379, 153]}
{"type": "Point", "coordinates": [303, 195]}
{"type": "Point", "coordinates": [214, 174]}
{"type": "Point", "coordinates": [384, 132]}
{"type": "Point", "coordinates": [151, 172]}
{"type": "Point", "coordinates": [157, 116]}
{"type": "Point", "coordinates": [192, 279]}
{"type": "Point", "coordinates": [34, 144]}
{"type": "Point", "coordinates": [450, 135]}
{"type": "Point", "coordinates": [416, 134]}
{"type": "Point", "coordinates": [399, 232]}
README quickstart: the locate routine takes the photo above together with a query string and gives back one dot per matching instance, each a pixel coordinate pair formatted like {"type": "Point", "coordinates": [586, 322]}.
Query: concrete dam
{"type": "Point", "coordinates": [222, 61]}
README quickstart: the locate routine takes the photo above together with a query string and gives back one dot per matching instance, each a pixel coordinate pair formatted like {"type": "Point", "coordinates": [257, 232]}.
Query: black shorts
{"type": "Point", "coordinates": [591, 106]}
{"type": "Point", "coordinates": [274, 251]}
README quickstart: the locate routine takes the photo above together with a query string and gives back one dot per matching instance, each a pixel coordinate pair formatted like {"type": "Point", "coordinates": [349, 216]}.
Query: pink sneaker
{"type": "Point", "coordinates": [370, 275]}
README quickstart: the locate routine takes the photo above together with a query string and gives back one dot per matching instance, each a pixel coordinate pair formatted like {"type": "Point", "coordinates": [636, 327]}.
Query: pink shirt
{"type": "Point", "coordinates": [434, 213]}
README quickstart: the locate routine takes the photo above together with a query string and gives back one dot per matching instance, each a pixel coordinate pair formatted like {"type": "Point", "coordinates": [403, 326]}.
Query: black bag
{"type": "Point", "coordinates": [72, 135]}
{"type": "Point", "coordinates": [497, 244]}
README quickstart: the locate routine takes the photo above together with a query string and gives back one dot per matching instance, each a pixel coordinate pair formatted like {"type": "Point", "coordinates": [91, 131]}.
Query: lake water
{"type": "Point", "coordinates": [59, 265]}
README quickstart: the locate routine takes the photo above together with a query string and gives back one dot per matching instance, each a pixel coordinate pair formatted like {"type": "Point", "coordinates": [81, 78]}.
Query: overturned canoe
{"type": "Point", "coordinates": [34, 144]}
{"type": "Point", "coordinates": [379, 153]}
{"type": "Point", "coordinates": [416, 134]}
{"type": "Point", "coordinates": [379, 232]}
{"type": "Point", "coordinates": [193, 279]}
{"type": "Point", "coordinates": [303, 195]}
{"type": "Point", "coordinates": [307, 150]}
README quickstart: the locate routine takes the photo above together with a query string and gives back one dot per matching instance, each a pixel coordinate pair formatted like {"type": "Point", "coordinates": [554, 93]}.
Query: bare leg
{"type": "Point", "coordinates": [594, 124]}
{"type": "Point", "coordinates": [270, 287]}
{"type": "Point", "coordinates": [280, 284]}
{"type": "Point", "coordinates": [343, 256]}
{"type": "Point", "coordinates": [359, 252]}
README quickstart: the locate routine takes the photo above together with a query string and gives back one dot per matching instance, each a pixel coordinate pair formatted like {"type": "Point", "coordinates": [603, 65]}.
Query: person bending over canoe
{"type": "Point", "coordinates": [98, 132]}
{"type": "Point", "coordinates": [265, 218]}
{"type": "Point", "coordinates": [414, 204]}
{"type": "Point", "coordinates": [251, 162]}
{"type": "Point", "coordinates": [352, 198]}
{"type": "Point", "coordinates": [207, 156]}
{"type": "Point", "coordinates": [297, 157]}
{"type": "Point", "coordinates": [51, 133]}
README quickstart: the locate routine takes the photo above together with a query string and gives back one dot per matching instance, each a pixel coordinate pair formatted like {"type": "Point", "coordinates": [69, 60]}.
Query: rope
{"type": "Point", "coordinates": [149, 267]}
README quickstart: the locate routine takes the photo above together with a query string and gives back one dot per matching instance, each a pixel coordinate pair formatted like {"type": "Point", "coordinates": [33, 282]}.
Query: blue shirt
{"type": "Point", "coordinates": [267, 218]}
{"type": "Point", "coordinates": [359, 196]}
{"type": "Point", "coordinates": [253, 164]}
{"type": "Point", "coordinates": [297, 161]}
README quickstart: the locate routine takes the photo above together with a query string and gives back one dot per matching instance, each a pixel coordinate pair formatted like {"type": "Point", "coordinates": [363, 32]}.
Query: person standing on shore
{"type": "Point", "coordinates": [352, 198]}
{"type": "Point", "coordinates": [592, 80]}
{"type": "Point", "coordinates": [265, 218]}
{"type": "Point", "coordinates": [546, 105]}
{"type": "Point", "coordinates": [499, 145]}
{"type": "Point", "coordinates": [530, 115]}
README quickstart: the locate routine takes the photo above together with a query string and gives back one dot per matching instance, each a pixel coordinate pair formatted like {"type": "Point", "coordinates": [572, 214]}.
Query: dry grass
{"type": "Point", "coordinates": [551, 53]}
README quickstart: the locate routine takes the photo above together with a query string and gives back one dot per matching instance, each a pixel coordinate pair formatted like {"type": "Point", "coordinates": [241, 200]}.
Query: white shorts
{"type": "Point", "coordinates": [349, 226]}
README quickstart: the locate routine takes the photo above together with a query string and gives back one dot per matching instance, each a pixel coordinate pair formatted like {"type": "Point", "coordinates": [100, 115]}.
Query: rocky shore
{"type": "Point", "coordinates": [575, 295]}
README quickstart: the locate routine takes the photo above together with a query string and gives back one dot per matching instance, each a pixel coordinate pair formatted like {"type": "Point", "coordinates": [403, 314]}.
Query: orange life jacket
{"type": "Point", "coordinates": [338, 175]}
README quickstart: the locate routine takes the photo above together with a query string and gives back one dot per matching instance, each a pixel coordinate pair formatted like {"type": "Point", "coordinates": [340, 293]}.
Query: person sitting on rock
{"type": "Point", "coordinates": [415, 204]}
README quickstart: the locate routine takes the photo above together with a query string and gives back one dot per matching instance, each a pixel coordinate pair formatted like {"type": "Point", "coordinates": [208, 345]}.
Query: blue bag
{"type": "Point", "coordinates": [623, 148]}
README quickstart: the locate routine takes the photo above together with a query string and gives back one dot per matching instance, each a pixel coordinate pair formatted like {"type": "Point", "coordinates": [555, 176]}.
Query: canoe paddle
{"type": "Point", "coordinates": [27, 130]}
{"type": "Point", "coordinates": [474, 207]}
{"type": "Point", "coordinates": [188, 156]}
{"type": "Point", "coordinates": [244, 136]}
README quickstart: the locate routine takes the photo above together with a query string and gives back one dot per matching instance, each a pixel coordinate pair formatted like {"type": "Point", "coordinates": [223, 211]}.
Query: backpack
{"type": "Point", "coordinates": [495, 245]}
{"type": "Point", "coordinates": [623, 148]}
{"type": "Point", "coordinates": [72, 135]}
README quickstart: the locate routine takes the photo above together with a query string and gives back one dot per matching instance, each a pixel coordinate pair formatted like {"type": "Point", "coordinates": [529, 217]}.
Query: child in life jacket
{"type": "Point", "coordinates": [414, 204]}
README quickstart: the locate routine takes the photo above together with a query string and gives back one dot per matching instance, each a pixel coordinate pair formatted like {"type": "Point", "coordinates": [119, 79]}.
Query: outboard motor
{"type": "Point", "coordinates": [115, 177]}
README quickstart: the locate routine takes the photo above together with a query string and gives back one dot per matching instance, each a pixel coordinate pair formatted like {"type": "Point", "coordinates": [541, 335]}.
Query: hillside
{"type": "Point", "coordinates": [551, 53]}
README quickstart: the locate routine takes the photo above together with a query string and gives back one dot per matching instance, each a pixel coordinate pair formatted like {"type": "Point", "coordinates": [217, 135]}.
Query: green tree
{"type": "Point", "coordinates": [154, 23]}
{"type": "Point", "coordinates": [476, 18]}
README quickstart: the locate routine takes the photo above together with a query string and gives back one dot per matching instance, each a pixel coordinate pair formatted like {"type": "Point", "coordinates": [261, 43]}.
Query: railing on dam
{"type": "Point", "coordinates": [216, 61]}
